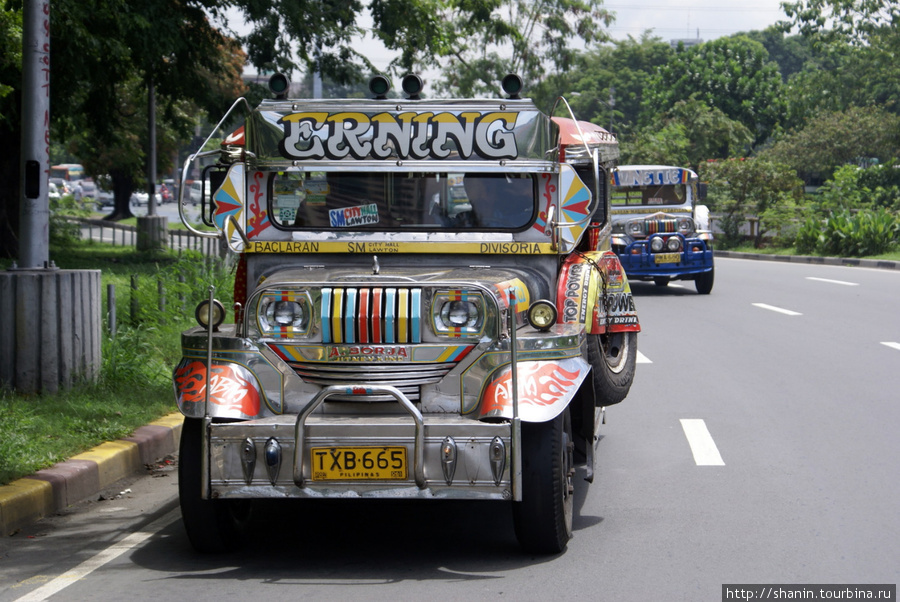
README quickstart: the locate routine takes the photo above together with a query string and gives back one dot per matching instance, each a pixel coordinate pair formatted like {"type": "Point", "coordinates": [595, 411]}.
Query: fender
{"type": "Point", "coordinates": [545, 389]}
{"type": "Point", "coordinates": [581, 297]}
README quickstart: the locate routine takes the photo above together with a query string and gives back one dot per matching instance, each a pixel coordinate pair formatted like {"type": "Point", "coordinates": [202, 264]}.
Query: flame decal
{"type": "Point", "coordinates": [228, 387]}
{"type": "Point", "coordinates": [540, 384]}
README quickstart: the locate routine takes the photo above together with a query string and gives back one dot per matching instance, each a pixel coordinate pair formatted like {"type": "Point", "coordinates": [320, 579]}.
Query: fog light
{"type": "Point", "coordinates": [272, 454]}
{"type": "Point", "coordinates": [498, 459]}
{"type": "Point", "coordinates": [673, 244]}
{"type": "Point", "coordinates": [657, 244]}
{"type": "Point", "coordinates": [248, 459]}
{"type": "Point", "coordinates": [202, 313]}
{"type": "Point", "coordinates": [542, 314]}
{"type": "Point", "coordinates": [448, 458]}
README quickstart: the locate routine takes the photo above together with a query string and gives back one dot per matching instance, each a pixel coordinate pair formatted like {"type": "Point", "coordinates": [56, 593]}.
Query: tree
{"type": "Point", "coordinates": [734, 75]}
{"type": "Point", "coordinates": [739, 188]}
{"type": "Point", "coordinates": [689, 134]}
{"type": "Point", "coordinates": [834, 138]}
{"type": "Point", "coordinates": [10, 133]}
{"type": "Point", "coordinates": [855, 44]}
{"type": "Point", "coordinates": [619, 71]}
{"type": "Point", "coordinates": [486, 39]}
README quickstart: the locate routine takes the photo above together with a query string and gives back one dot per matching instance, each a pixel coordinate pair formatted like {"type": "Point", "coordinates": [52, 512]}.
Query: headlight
{"type": "Point", "coordinates": [657, 244]}
{"type": "Point", "coordinates": [457, 313]}
{"type": "Point", "coordinates": [686, 225]}
{"type": "Point", "coordinates": [202, 313]}
{"type": "Point", "coordinates": [673, 244]}
{"type": "Point", "coordinates": [542, 314]}
{"type": "Point", "coordinates": [636, 227]}
{"type": "Point", "coordinates": [285, 312]}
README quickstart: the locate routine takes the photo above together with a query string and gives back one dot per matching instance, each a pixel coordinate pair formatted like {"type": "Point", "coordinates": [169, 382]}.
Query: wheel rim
{"type": "Point", "coordinates": [615, 348]}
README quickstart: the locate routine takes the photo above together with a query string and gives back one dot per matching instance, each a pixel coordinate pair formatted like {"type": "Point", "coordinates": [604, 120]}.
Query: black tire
{"type": "Point", "coordinates": [704, 281]}
{"type": "Point", "coordinates": [661, 280]}
{"type": "Point", "coordinates": [212, 525]}
{"type": "Point", "coordinates": [612, 358]}
{"type": "Point", "coordinates": [543, 519]}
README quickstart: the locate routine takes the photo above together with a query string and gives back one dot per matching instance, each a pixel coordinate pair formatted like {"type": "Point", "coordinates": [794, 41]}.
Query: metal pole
{"type": "Point", "coordinates": [111, 307]}
{"type": "Point", "coordinates": [151, 168]}
{"type": "Point", "coordinates": [34, 214]}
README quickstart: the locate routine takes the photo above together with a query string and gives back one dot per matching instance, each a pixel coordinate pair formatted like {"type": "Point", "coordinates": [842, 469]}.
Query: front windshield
{"type": "Point", "coordinates": [665, 194]}
{"type": "Point", "coordinates": [401, 201]}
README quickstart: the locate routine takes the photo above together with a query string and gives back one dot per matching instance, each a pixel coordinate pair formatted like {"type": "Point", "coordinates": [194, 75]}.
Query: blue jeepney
{"type": "Point", "coordinates": [660, 232]}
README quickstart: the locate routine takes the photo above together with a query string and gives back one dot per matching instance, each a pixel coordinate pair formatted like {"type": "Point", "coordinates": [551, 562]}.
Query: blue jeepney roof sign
{"type": "Point", "coordinates": [651, 175]}
{"type": "Point", "coordinates": [366, 130]}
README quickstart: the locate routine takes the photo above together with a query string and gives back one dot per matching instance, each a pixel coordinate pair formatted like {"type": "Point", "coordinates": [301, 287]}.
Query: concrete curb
{"type": "Point", "coordinates": [31, 498]}
{"type": "Point", "coordinates": [882, 264]}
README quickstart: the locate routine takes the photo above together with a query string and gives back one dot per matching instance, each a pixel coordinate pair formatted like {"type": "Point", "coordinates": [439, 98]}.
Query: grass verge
{"type": "Point", "coordinates": [135, 384]}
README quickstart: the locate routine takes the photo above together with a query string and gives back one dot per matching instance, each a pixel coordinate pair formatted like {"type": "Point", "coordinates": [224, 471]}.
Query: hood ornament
{"type": "Point", "coordinates": [375, 267]}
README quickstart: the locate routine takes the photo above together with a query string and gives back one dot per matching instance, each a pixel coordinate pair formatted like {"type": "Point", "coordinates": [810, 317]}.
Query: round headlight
{"type": "Point", "coordinates": [202, 313]}
{"type": "Point", "coordinates": [459, 313]}
{"type": "Point", "coordinates": [685, 225]}
{"type": "Point", "coordinates": [657, 244]}
{"type": "Point", "coordinates": [673, 244]}
{"type": "Point", "coordinates": [542, 314]}
{"type": "Point", "coordinates": [636, 227]}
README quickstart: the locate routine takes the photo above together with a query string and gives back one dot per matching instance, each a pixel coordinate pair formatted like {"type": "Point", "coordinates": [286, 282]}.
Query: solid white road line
{"type": "Point", "coordinates": [832, 281]}
{"type": "Point", "coordinates": [780, 310]}
{"type": "Point", "coordinates": [702, 445]}
{"type": "Point", "coordinates": [642, 359]}
{"type": "Point", "coordinates": [108, 555]}
{"type": "Point", "coordinates": [890, 344]}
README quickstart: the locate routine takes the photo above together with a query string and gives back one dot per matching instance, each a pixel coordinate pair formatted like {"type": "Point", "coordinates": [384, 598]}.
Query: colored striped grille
{"type": "Point", "coordinates": [653, 226]}
{"type": "Point", "coordinates": [371, 315]}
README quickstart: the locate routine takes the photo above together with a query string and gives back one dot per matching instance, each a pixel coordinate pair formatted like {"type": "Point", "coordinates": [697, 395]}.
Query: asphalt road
{"type": "Point", "coordinates": [759, 445]}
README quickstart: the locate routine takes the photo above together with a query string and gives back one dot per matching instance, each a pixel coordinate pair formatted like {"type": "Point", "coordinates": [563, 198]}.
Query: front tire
{"type": "Point", "coordinates": [212, 525]}
{"type": "Point", "coordinates": [543, 519]}
{"type": "Point", "coordinates": [704, 282]}
{"type": "Point", "coordinates": [612, 357]}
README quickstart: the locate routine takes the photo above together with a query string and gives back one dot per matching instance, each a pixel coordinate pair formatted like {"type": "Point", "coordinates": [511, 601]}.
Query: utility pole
{"type": "Point", "coordinates": [50, 322]}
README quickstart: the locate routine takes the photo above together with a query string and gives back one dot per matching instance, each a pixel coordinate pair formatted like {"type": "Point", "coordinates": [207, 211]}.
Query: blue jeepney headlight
{"type": "Point", "coordinates": [636, 227]}
{"type": "Point", "coordinates": [673, 244]}
{"type": "Point", "coordinates": [657, 244]}
{"type": "Point", "coordinates": [686, 225]}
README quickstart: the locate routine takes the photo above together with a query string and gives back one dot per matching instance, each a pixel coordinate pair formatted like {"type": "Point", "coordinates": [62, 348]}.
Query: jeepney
{"type": "Point", "coordinates": [426, 306]}
{"type": "Point", "coordinates": [660, 232]}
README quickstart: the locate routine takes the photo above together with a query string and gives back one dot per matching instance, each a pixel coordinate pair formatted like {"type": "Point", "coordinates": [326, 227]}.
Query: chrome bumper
{"type": "Point", "coordinates": [449, 456]}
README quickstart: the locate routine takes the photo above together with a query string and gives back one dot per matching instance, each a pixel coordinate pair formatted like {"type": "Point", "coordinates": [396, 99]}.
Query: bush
{"type": "Point", "coordinates": [850, 235]}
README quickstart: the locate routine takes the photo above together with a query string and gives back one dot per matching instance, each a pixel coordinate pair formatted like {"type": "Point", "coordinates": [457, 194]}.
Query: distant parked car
{"type": "Point", "coordinates": [53, 192]}
{"type": "Point", "coordinates": [141, 197]}
{"type": "Point", "coordinates": [105, 198]}
{"type": "Point", "coordinates": [85, 189]}
{"type": "Point", "coordinates": [62, 186]}
{"type": "Point", "coordinates": [198, 189]}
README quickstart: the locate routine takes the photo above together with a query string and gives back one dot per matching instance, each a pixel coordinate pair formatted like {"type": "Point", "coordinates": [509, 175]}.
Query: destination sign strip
{"type": "Point", "coordinates": [478, 248]}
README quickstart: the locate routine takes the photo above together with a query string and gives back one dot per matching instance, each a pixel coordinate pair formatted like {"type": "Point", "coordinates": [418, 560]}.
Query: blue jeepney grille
{"type": "Point", "coordinates": [654, 226]}
{"type": "Point", "coordinates": [371, 315]}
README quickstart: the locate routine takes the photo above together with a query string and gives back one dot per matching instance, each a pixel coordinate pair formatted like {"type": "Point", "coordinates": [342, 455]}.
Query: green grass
{"type": "Point", "coordinates": [135, 384]}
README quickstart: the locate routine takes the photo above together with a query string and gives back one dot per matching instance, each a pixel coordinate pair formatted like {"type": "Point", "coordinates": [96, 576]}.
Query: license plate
{"type": "Point", "coordinates": [359, 463]}
{"type": "Point", "coordinates": [667, 257]}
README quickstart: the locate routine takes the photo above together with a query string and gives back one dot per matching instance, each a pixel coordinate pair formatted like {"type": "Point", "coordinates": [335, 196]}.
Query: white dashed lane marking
{"type": "Point", "coordinates": [643, 359]}
{"type": "Point", "coordinates": [890, 344]}
{"type": "Point", "coordinates": [780, 310]}
{"type": "Point", "coordinates": [702, 445]}
{"type": "Point", "coordinates": [841, 282]}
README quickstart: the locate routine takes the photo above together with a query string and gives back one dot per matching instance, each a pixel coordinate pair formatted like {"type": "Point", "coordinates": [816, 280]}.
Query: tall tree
{"type": "Point", "coordinates": [688, 134]}
{"type": "Point", "coordinates": [734, 75]}
{"type": "Point", "coordinates": [489, 38]}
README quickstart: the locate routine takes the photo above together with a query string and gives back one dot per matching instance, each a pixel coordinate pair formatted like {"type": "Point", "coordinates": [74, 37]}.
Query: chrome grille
{"type": "Point", "coordinates": [406, 377]}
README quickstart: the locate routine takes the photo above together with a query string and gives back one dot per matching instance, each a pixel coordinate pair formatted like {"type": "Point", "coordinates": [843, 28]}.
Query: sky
{"type": "Point", "coordinates": [669, 19]}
